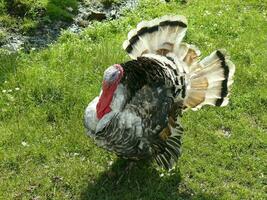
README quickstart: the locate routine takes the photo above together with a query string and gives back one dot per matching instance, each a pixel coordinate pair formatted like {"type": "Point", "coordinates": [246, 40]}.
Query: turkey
{"type": "Point", "coordinates": [137, 112]}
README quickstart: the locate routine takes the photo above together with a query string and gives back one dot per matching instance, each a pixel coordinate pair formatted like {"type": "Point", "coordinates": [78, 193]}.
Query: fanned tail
{"type": "Point", "coordinates": [209, 81]}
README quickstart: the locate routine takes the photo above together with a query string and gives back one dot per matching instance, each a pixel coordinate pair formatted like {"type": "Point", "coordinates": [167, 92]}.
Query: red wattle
{"type": "Point", "coordinates": [103, 105]}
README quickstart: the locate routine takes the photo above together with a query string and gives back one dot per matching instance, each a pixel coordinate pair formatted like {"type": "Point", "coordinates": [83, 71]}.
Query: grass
{"type": "Point", "coordinates": [44, 153]}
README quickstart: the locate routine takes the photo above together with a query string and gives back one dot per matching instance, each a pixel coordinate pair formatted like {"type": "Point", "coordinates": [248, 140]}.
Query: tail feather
{"type": "Point", "coordinates": [209, 81]}
{"type": "Point", "coordinates": [186, 56]}
{"type": "Point", "coordinates": [158, 36]}
{"type": "Point", "coordinates": [187, 52]}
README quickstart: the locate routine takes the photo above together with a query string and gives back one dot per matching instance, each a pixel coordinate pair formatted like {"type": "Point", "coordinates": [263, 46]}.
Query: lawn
{"type": "Point", "coordinates": [44, 153]}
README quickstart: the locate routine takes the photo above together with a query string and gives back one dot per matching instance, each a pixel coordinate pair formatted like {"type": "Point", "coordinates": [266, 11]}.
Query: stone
{"type": "Point", "coordinates": [70, 9]}
{"type": "Point", "coordinates": [86, 15]}
{"type": "Point", "coordinates": [96, 15]}
{"type": "Point", "coordinates": [83, 23]}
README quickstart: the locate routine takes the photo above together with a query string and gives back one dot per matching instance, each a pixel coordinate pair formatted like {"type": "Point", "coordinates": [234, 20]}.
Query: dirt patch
{"type": "Point", "coordinates": [49, 31]}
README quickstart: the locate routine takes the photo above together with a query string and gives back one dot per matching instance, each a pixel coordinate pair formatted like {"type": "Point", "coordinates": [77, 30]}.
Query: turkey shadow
{"type": "Point", "coordinates": [142, 181]}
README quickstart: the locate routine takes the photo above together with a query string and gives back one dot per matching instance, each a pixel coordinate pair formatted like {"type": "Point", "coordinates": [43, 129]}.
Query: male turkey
{"type": "Point", "coordinates": [137, 112]}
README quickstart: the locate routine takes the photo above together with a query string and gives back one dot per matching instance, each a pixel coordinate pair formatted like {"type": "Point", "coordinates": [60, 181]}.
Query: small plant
{"type": "Point", "coordinates": [2, 7]}
{"type": "Point", "coordinates": [57, 9]}
{"type": "Point", "coordinates": [28, 25]}
{"type": "Point", "coordinates": [3, 35]}
{"type": "Point", "coordinates": [7, 21]}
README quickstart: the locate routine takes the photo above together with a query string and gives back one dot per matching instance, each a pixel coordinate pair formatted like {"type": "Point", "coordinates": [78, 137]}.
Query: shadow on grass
{"type": "Point", "coordinates": [142, 182]}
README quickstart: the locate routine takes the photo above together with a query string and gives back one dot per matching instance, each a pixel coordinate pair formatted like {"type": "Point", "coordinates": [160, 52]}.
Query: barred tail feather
{"type": "Point", "coordinates": [209, 81]}
{"type": "Point", "coordinates": [158, 36]}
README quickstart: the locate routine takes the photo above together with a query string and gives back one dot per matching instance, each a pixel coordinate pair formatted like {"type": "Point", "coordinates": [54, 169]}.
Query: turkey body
{"type": "Point", "coordinates": [150, 92]}
{"type": "Point", "coordinates": [145, 104]}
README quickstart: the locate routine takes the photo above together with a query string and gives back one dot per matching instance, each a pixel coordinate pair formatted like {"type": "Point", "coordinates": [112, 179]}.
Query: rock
{"type": "Point", "coordinates": [86, 15]}
{"type": "Point", "coordinates": [113, 14]}
{"type": "Point", "coordinates": [96, 15]}
{"type": "Point", "coordinates": [74, 28]}
{"type": "Point", "coordinates": [83, 23]}
{"type": "Point", "coordinates": [226, 131]}
{"type": "Point", "coordinates": [14, 43]}
{"type": "Point", "coordinates": [56, 179]}
{"type": "Point", "coordinates": [81, 9]}
{"type": "Point", "coordinates": [70, 9]}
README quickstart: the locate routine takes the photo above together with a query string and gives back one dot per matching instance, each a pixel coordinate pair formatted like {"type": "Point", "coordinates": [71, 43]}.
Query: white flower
{"type": "Point", "coordinates": [207, 13]}
{"type": "Point", "coordinates": [17, 88]}
{"type": "Point", "coordinates": [110, 163]}
{"type": "Point", "coordinates": [4, 91]}
{"type": "Point", "coordinates": [24, 144]}
{"type": "Point", "coordinates": [9, 90]}
{"type": "Point", "coordinates": [83, 159]}
{"type": "Point", "coordinates": [11, 98]}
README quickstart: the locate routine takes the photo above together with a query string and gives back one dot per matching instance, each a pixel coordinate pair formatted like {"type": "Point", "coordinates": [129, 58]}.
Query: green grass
{"type": "Point", "coordinates": [45, 154]}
